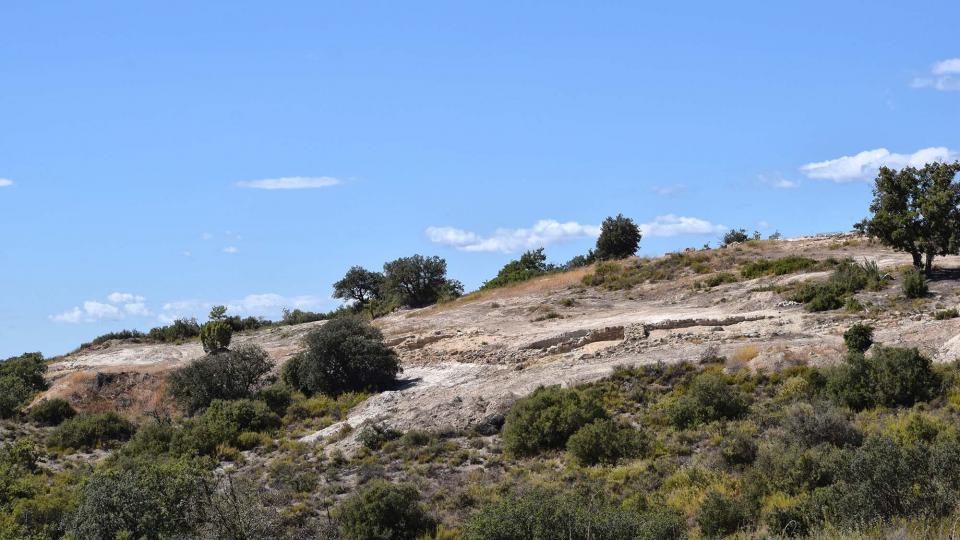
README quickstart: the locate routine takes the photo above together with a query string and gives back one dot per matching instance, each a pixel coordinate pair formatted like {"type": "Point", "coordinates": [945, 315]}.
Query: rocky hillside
{"type": "Point", "coordinates": [465, 362]}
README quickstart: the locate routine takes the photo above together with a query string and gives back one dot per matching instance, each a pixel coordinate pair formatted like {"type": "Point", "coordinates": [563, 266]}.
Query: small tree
{"type": "Point", "coordinates": [380, 509]}
{"type": "Point", "coordinates": [218, 313]}
{"type": "Point", "coordinates": [360, 285]}
{"type": "Point", "coordinates": [858, 338]}
{"type": "Point", "coordinates": [344, 355]}
{"type": "Point", "coordinates": [916, 210]}
{"type": "Point", "coordinates": [419, 281]}
{"type": "Point", "coordinates": [221, 375]}
{"type": "Point", "coordinates": [531, 264]}
{"type": "Point", "coordinates": [215, 336]}
{"type": "Point", "coordinates": [734, 236]}
{"type": "Point", "coordinates": [619, 238]}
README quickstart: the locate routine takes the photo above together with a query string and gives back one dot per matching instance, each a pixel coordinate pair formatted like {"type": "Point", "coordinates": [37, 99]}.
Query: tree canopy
{"type": "Point", "coordinates": [619, 238]}
{"type": "Point", "coordinates": [359, 284]}
{"type": "Point", "coordinates": [419, 281]}
{"type": "Point", "coordinates": [917, 211]}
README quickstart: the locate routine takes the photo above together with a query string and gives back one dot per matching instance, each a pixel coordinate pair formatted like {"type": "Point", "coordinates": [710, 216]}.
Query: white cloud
{"type": "Point", "coordinates": [231, 250]}
{"type": "Point", "coordinates": [265, 304]}
{"type": "Point", "coordinates": [291, 182]}
{"type": "Point", "coordinates": [92, 311]}
{"type": "Point", "coordinates": [943, 76]}
{"type": "Point", "coordinates": [118, 306]}
{"type": "Point", "coordinates": [548, 231]}
{"type": "Point", "coordinates": [206, 236]}
{"type": "Point", "coordinates": [673, 225]}
{"type": "Point", "coordinates": [667, 191]}
{"type": "Point", "coordinates": [4, 182]}
{"type": "Point", "coordinates": [119, 298]}
{"type": "Point", "coordinates": [864, 165]}
{"type": "Point", "coordinates": [777, 181]}
{"type": "Point", "coordinates": [543, 233]}
{"type": "Point", "coordinates": [946, 67]}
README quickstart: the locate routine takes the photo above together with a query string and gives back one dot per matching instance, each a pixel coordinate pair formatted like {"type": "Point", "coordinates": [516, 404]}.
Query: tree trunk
{"type": "Point", "coordinates": [928, 265]}
{"type": "Point", "coordinates": [917, 259]}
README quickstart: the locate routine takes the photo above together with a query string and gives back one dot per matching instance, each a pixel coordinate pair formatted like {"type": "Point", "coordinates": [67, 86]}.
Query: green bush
{"type": "Point", "coordinates": [179, 330]}
{"type": "Point", "coordinates": [776, 267]}
{"type": "Point", "coordinates": [374, 436]}
{"type": "Point", "coordinates": [890, 377]}
{"type": "Point", "coordinates": [220, 375]}
{"type": "Point", "coordinates": [215, 336]}
{"type": "Point", "coordinates": [277, 396]}
{"type": "Point", "coordinates": [381, 510]}
{"type": "Point", "coordinates": [88, 431]}
{"type": "Point", "coordinates": [547, 418]}
{"type": "Point", "coordinates": [223, 421]}
{"type": "Point", "coordinates": [297, 316]}
{"type": "Point", "coordinates": [605, 441]}
{"type": "Point", "coordinates": [945, 314]}
{"type": "Point", "coordinates": [122, 335]}
{"type": "Point", "coordinates": [719, 278]}
{"type": "Point", "coordinates": [709, 397]}
{"type": "Point", "coordinates": [51, 412]}
{"type": "Point", "coordinates": [537, 512]}
{"type": "Point", "coordinates": [820, 422]}
{"type": "Point", "coordinates": [734, 236]}
{"type": "Point", "coordinates": [738, 448]}
{"type": "Point", "coordinates": [914, 285]}
{"type": "Point", "coordinates": [858, 338]}
{"type": "Point", "coordinates": [721, 515]}
{"type": "Point", "coordinates": [14, 394]}
{"type": "Point", "coordinates": [345, 354]}
{"type": "Point", "coordinates": [149, 499]}
{"type": "Point", "coordinates": [846, 279]}
{"type": "Point", "coordinates": [20, 378]}
{"type": "Point", "coordinates": [619, 238]}
{"type": "Point", "coordinates": [531, 264]}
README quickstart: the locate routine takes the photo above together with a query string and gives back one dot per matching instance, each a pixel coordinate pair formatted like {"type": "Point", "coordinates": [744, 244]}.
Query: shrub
{"type": "Point", "coordinates": [721, 515]}
{"type": "Point", "coordinates": [419, 281]}
{"type": "Point", "coordinates": [381, 510]}
{"type": "Point", "coordinates": [944, 314]}
{"type": "Point", "coordinates": [215, 336]}
{"type": "Point", "coordinates": [121, 335]}
{"type": "Point", "coordinates": [531, 264]}
{"type": "Point", "coordinates": [52, 412]}
{"type": "Point", "coordinates": [914, 285]}
{"type": "Point", "coordinates": [547, 418]}
{"type": "Point", "coordinates": [14, 393]}
{"type": "Point", "coordinates": [719, 278]}
{"type": "Point", "coordinates": [540, 513]}
{"type": "Point", "coordinates": [346, 354]}
{"type": "Point", "coordinates": [180, 330]}
{"type": "Point", "coordinates": [374, 436]}
{"type": "Point", "coordinates": [858, 338]}
{"type": "Point", "coordinates": [708, 398]}
{"type": "Point", "coordinates": [28, 368]}
{"type": "Point", "coordinates": [619, 238]}
{"type": "Point", "coordinates": [277, 396]}
{"type": "Point", "coordinates": [605, 441]}
{"type": "Point", "coordinates": [847, 278]}
{"type": "Point", "coordinates": [220, 375]}
{"type": "Point", "coordinates": [812, 424]}
{"type": "Point", "coordinates": [776, 267]}
{"type": "Point", "coordinates": [738, 448]}
{"type": "Point", "coordinates": [298, 316]}
{"type": "Point", "coordinates": [148, 499]}
{"type": "Point", "coordinates": [734, 236]}
{"type": "Point", "coordinates": [890, 377]}
{"type": "Point", "coordinates": [88, 431]}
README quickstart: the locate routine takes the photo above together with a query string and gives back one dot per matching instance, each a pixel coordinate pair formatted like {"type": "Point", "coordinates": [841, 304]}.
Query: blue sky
{"type": "Point", "coordinates": [138, 139]}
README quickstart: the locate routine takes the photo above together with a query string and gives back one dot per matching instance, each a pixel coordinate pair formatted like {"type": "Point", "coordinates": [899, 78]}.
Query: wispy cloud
{"type": "Point", "coordinates": [4, 182]}
{"type": "Point", "coordinates": [864, 165]}
{"type": "Point", "coordinates": [674, 225]}
{"type": "Point", "coordinates": [291, 182]}
{"type": "Point", "coordinates": [117, 306]}
{"type": "Point", "coordinates": [944, 76]}
{"type": "Point", "coordinates": [543, 233]}
{"type": "Point", "coordinates": [265, 304]}
{"type": "Point", "coordinates": [548, 231]}
{"type": "Point", "coordinates": [667, 191]}
{"type": "Point", "coordinates": [231, 250]}
{"type": "Point", "coordinates": [777, 181]}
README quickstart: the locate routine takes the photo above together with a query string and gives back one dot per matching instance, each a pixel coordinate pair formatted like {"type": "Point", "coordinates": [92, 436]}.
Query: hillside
{"type": "Point", "coordinates": [467, 361]}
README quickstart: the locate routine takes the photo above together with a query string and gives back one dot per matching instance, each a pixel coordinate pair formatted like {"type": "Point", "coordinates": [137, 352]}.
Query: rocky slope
{"type": "Point", "coordinates": [467, 361]}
